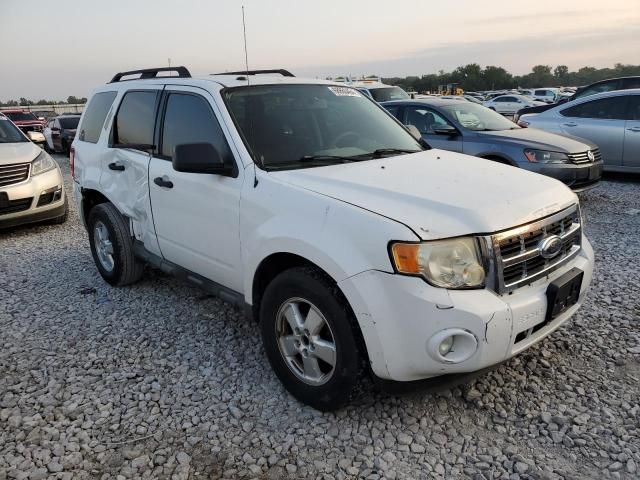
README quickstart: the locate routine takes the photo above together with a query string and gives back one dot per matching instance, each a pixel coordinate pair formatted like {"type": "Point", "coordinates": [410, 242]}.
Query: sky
{"type": "Point", "coordinates": [53, 49]}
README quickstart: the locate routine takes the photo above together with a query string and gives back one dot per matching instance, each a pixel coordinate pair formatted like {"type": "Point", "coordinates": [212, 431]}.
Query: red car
{"type": "Point", "coordinates": [25, 120]}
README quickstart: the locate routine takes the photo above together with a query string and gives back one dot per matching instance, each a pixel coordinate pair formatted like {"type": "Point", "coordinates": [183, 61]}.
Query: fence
{"type": "Point", "coordinates": [58, 108]}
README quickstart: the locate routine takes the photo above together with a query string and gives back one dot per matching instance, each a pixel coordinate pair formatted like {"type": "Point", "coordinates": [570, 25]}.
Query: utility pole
{"type": "Point", "coordinates": [169, 59]}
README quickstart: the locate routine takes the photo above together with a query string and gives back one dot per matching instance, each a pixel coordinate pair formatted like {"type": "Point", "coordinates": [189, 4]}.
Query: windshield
{"type": "Point", "coordinates": [69, 123]}
{"type": "Point", "coordinates": [478, 118]}
{"type": "Point", "coordinates": [21, 116]}
{"type": "Point", "coordinates": [388, 93]}
{"type": "Point", "coordinates": [290, 126]}
{"type": "Point", "coordinates": [9, 133]}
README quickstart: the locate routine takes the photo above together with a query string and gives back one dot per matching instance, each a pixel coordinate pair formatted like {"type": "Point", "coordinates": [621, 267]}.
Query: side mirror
{"type": "Point", "coordinates": [36, 137]}
{"type": "Point", "coordinates": [445, 130]}
{"type": "Point", "coordinates": [415, 133]}
{"type": "Point", "coordinates": [200, 158]}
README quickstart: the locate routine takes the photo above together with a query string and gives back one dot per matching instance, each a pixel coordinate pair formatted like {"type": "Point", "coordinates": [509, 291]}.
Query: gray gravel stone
{"type": "Point", "coordinates": [158, 380]}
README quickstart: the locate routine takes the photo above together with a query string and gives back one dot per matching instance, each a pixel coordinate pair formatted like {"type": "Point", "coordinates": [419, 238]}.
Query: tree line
{"type": "Point", "coordinates": [25, 102]}
{"type": "Point", "coordinates": [473, 77]}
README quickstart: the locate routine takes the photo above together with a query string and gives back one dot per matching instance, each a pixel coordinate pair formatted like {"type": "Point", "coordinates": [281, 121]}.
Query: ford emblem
{"type": "Point", "coordinates": [550, 247]}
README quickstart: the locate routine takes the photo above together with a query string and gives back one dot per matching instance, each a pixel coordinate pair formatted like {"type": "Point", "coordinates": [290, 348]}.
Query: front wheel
{"type": "Point", "coordinates": [310, 338]}
{"type": "Point", "coordinates": [112, 246]}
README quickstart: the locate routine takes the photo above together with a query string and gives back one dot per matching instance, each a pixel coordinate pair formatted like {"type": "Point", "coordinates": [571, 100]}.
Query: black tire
{"type": "Point", "coordinates": [65, 147]}
{"type": "Point", "coordinates": [311, 285]}
{"type": "Point", "coordinates": [46, 147]}
{"type": "Point", "coordinates": [126, 267]}
{"type": "Point", "coordinates": [62, 218]}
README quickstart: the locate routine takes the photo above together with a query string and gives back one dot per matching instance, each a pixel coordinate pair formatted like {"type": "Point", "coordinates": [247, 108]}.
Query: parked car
{"type": "Point", "coordinates": [510, 104]}
{"type": "Point", "coordinates": [547, 95]}
{"type": "Point", "coordinates": [31, 186]}
{"type": "Point", "coordinates": [611, 120]}
{"type": "Point", "coordinates": [357, 250]}
{"type": "Point", "coordinates": [479, 131]}
{"type": "Point", "coordinates": [381, 92]}
{"type": "Point", "coordinates": [25, 120]}
{"type": "Point", "coordinates": [60, 132]}
{"type": "Point", "coordinates": [602, 86]}
{"type": "Point", "coordinates": [609, 85]}
{"type": "Point", "coordinates": [44, 114]}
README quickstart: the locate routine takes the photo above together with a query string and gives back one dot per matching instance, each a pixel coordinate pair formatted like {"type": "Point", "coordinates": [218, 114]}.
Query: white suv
{"type": "Point", "coordinates": [357, 248]}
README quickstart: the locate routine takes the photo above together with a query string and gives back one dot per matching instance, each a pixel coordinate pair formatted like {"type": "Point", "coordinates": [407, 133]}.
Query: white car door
{"type": "Point", "coordinates": [602, 121]}
{"type": "Point", "coordinates": [196, 215]}
{"type": "Point", "coordinates": [47, 134]}
{"type": "Point", "coordinates": [125, 168]}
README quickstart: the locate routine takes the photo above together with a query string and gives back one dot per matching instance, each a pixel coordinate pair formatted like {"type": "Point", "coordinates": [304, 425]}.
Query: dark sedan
{"type": "Point", "coordinates": [476, 130]}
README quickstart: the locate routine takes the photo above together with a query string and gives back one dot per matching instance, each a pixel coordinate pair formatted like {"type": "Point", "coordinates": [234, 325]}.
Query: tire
{"type": "Point", "coordinates": [329, 386]}
{"type": "Point", "coordinates": [65, 147]}
{"type": "Point", "coordinates": [112, 246]}
{"type": "Point", "coordinates": [62, 218]}
{"type": "Point", "coordinates": [46, 147]}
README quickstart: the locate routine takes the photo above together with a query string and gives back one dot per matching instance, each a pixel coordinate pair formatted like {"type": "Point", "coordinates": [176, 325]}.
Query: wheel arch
{"type": "Point", "coordinates": [91, 198]}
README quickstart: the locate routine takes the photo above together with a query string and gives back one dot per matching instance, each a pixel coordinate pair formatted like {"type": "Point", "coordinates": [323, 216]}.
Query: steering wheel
{"type": "Point", "coordinates": [343, 136]}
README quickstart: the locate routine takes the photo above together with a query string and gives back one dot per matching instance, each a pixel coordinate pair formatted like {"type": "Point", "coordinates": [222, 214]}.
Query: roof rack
{"type": "Point", "coordinates": [147, 73]}
{"type": "Point", "coordinates": [281, 71]}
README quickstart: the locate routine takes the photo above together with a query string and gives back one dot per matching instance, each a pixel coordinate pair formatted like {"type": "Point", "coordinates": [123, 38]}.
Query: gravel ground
{"type": "Point", "coordinates": [159, 380]}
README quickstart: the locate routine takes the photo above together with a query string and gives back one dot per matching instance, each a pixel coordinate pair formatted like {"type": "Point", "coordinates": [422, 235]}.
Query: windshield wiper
{"type": "Point", "coordinates": [387, 151]}
{"type": "Point", "coordinates": [327, 158]}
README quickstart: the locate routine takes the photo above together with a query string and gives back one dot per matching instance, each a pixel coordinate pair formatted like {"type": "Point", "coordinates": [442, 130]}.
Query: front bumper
{"type": "Point", "coordinates": [579, 177]}
{"type": "Point", "coordinates": [38, 198]}
{"type": "Point", "coordinates": [398, 316]}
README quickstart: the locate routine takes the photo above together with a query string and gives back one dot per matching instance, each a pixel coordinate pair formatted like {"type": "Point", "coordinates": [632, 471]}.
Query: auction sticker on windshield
{"type": "Point", "coordinates": [345, 92]}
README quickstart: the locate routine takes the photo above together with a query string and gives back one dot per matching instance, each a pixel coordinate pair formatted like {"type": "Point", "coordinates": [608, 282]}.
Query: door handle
{"type": "Point", "coordinates": [163, 182]}
{"type": "Point", "coordinates": [116, 166]}
{"type": "Point", "coordinates": [570, 124]}
{"type": "Point", "coordinates": [634, 129]}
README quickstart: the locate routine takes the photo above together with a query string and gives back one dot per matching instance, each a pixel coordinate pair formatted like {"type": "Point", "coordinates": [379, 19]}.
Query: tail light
{"type": "Point", "coordinates": [72, 161]}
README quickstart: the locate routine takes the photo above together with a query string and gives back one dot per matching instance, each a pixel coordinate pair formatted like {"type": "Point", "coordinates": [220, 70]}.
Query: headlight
{"type": "Point", "coordinates": [542, 156]}
{"type": "Point", "coordinates": [42, 163]}
{"type": "Point", "coordinates": [453, 263]}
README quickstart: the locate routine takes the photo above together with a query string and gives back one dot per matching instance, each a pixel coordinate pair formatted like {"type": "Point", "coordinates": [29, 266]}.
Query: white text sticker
{"type": "Point", "coordinates": [345, 92]}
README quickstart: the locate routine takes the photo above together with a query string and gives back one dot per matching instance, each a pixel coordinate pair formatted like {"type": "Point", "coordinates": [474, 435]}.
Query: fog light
{"type": "Point", "coordinates": [445, 346]}
{"type": "Point", "coordinates": [441, 345]}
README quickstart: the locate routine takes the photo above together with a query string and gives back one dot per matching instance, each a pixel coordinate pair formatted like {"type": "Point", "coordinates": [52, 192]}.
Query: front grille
{"type": "Point", "coordinates": [31, 128]}
{"type": "Point", "coordinates": [15, 173]}
{"type": "Point", "coordinates": [16, 206]}
{"type": "Point", "coordinates": [518, 251]}
{"type": "Point", "coordinates": [583, 157]}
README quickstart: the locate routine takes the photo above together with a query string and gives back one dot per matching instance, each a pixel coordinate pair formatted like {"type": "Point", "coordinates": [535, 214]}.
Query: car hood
{"type": "Point", "coordinates": [538, 139]}
{"type": "Point", "coordinates": [18, 152]}
{"type": "Point", "coordinates": [438, 194]}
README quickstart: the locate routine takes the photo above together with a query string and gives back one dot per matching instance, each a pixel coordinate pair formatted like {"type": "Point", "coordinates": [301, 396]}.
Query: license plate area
{"type": "Point", "coordinates": [563, 293]}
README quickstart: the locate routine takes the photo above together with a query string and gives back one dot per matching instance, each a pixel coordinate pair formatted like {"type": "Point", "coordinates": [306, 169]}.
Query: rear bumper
{"type": "Point", "coordinates": [399, 316]}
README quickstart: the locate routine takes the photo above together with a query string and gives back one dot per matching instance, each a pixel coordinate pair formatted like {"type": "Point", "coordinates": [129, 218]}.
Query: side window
{"type": "Point", "coordinates": [424, 120]}
{"type": "Point", "coordinates": [599, 88]}
{"type": "Point", "coordinates": [135, 119]}
{"type": "Point", "coordinates": [612, 108]}
{"type": "Point", "coordinates": [634, 108]}
{"type": "Point", "coordinates": [189, 119]}
{"type": "Point", "coordinates": [631, 83]}
{"type": "Point", "coordinates": [56, 124]}
{"type": "Point", "coordinates": [94, 116]}
{"type": "Point", "coordinates": [393, 110]}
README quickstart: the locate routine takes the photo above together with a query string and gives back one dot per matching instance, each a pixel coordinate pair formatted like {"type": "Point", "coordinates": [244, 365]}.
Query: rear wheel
{"type": "Point", "coordinates": [310, 339]}
{"type": "Point", "coordinates": [112, 246]}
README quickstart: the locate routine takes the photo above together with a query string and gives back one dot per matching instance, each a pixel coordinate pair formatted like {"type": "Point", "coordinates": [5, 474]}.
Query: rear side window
{"type": "Point", "coordinates": [189, 119]}
{"type": "Point", "coordinates": [94, 116]}
{"type": "Point", "coordinates": [612, 108]}
{"type": "Point", "coordinates": [631, 83]}
{"type": "Point", "coordinates": [599, 88]}
{"type": "Point", "coordinates": [135, 119]}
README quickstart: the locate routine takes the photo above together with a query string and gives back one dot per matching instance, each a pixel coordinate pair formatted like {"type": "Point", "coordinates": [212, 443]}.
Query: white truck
{"type": "Point", "coordinates": [357, 249]}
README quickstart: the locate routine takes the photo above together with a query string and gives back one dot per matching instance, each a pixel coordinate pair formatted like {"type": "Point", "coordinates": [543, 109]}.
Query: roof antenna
{"type": "Point", "coordinates": [246, 56]}
{"type": "Point", "coordinates": [246, 65]}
